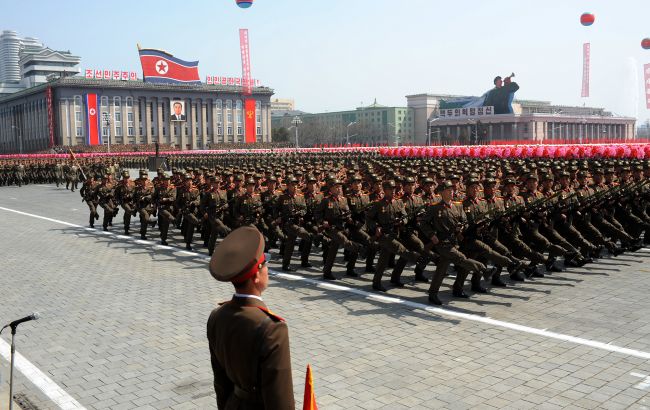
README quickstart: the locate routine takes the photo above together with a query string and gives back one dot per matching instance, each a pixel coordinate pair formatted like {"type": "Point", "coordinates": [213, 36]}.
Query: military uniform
{"type": "Point", "coordinates": [292, 209]}
{"type": "Point", "coordinates": [124, 193]}
{"type": "Point", "coordinates": [249, 345]}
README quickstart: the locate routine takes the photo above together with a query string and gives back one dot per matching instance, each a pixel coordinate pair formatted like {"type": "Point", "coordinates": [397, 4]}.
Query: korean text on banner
{"type": "Point", "coordinates": [245, 61]}
{"type": "Point", "coordinates": [586, 57]}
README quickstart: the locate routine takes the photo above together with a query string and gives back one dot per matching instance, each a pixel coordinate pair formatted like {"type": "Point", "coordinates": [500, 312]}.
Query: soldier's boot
{"type": "Point", "coordinates": [346, 255]}
{"type": "Point", "coordinates": [349, 266]}
{"type": "Point", "coordinates": [551, 266]}
{"type": "Point", "coordinates": [496, 279]}
{"type": "Point", "coordinates": [92, 221]}
{"type": "Point", "coordinates": [457, 288]}
{"type": "Point", "coordinates": [370, 268]}
{"type": "Point", "coordinates": [476, 283]}
{"type": "Point", "coordinates": [419, 270]}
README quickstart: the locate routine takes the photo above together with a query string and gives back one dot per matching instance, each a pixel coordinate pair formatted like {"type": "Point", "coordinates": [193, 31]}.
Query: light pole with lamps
{"type": "Point", "coordinates": [296, 121]}
{"type": "Point", "coordinates": [429, 130]}
{"type": "Point", "coordinates": [107, 122]}
{"type": "Point", "coordinates": [395, 130]}
{"type": "Point", "coordinates": [347, 133]}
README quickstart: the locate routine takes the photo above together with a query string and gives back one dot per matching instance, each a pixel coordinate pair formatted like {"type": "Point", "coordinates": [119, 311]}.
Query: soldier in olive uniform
{"type": "Point", "coordinates": [359, 202]}
{"type": "Point", "coordinates": [188, 200]}
{"type": "Point", "coordinates": [106, 194]}
{"type": "Point", "coordinates": [215, 205]}
{"type": "Point", "coordinates": [249, 344]}
{"type": "Point", "coordinates": [248, 207]}
{"type": "Point", "coordinates": [143, 199]}
{"type": "Point", "coordinates": [124, 192]}
{"type": "Point", "coordinates": [291, 210]}
{"type": "Point", "coordinates": [386, 218]}
{"type": "Point", "coordinates": [164, 198]}
{"type": "Point", "coordinates": [89, 196]}
{"type": "Point", "coordinates": [269, 198]}
{"type": "Point", "coordinates": [443, 223]}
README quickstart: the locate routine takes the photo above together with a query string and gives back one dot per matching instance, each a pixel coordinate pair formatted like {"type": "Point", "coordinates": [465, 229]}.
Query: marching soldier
{"type": "Point", "coordinates": [291, 211]}
{"type": "Point", "coordinates": [124, 192]}
{"type": "Point", "coordinates": [89, 196]}
{"type": "Point", "coordinates": [188, 200]}
{"type": "Point", "coordinates": [106, 195]}
{"type": "Point", "coordinates": [214, 206]}
{"type": "Point", "coordinates": [164, 198]}
{"type": "Point", "coordinates": [143, 197]}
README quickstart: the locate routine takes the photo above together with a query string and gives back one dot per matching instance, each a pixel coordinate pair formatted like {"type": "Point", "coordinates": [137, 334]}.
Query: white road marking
{"type": "Point", "coordinates": [39, 379]}
{"type": "Point", "coordinates": [643, 385]}
{"type": "Point", "coordinates": [403, 302]}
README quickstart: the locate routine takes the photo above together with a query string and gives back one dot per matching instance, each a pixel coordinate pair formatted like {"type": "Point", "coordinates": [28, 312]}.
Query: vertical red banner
{"type": "Point", "coordinates": [245, 61]}
{"type": "Point", "coordinates": [586, 59]}
{"type": "Point", "coordinates": [646, 70]}
{"type": "Point", "coordinates": [251, 122]}
{"type": "Point", "coordinates": [50, 114]}
{"type": "Point", "coordinates": [92, 120]}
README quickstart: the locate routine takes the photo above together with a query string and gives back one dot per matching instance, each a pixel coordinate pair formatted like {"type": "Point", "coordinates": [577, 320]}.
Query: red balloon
{"type": "Point", "coordinates": [587, 19]}
{"type": "Point", "coordinates": [645, 43]}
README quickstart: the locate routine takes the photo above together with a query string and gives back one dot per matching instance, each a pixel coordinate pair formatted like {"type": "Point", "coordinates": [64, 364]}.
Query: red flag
{"type": "Point", "coordinates": [646, 70]}
{"type": "Point", "coordinates": [161, 67]}
{"type": "Point", "coordinates": [92, 120]}
{"type": "Point", "coordinates": [245, 60]}
{"type": "Point", "coordinates": [251, 120]}
{"type": "Point", "coordinates": [309, 401]}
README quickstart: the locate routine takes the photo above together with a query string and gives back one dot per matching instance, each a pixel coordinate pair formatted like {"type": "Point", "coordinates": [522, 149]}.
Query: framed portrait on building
{"type": "Point", "coordinates": [177, 110]}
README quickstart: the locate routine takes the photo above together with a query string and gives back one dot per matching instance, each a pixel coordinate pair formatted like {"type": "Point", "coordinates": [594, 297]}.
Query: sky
{"type": "Point", "coordinates": [338, 54]}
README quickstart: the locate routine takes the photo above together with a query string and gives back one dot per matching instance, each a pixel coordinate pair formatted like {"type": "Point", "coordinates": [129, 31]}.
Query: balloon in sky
{"type": "Point", "coordinates": [244, 4]}
{"type": "Point", "coordinates": [587, 19]}
{"type": "Point", "coordinates": [645, 43]}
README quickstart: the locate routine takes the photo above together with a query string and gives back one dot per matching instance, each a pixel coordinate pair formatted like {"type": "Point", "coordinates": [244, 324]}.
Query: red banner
{"type": "Point", "coordinates": [245, 61]}
{"type": "Point", "coordinates": [50, 114]}
{"type": "Point", "coordinates": [93, 137]}
{"type": "Point", "coordinates": [251, 120]}
{"type": "Point", "coordinates": [586, 58]}
{"type": "Point", "coordinates": [646, 70]}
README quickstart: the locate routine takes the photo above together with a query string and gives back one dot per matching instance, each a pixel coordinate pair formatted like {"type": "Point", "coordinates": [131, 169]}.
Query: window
{"type": "Point", "coordinates": [104, 101]}
{"type": "Point", "coordinates": [219, 117]}
{"type": "Point", "coordinates": [77, 116]}
{"type": "Point", "coordinates": [118, 116]}
{"type": "Point", "coordinates": [105, 132]}
{"type": "Point", "coordinates": [219, 130]}
{"type": "Point", "coordinates": [239, 131]}
{"type": "Point", "coordinates": [118, 131]}
{"type": "Point", "coordinates": [259, 130]}
{"type": "Point", "coordinates": [229, 130]}
{"type": "Point", "coordinates": [129, 131]}
{"type": "Point", "coordinates": [129, 102]}
{"type": "Point", "coordinates": [219, 105]}
{"type": "Point", "coordinates": [229, 104]}
{"type": "Point", "coordinates": [240, 116]}
{"type": "Point", "coordinates": [164, 131]}
{"type": "Point", "coordinates": [129, 116]}
{"type": "Point", "coordinates": [79, 132]}
{"type": "Point", "coordinates": [238, 104]}
{"type": "Point", "coordinates": [229, 117]}
{"type": "Point", "coordinates": [117, 101]}
{"type": "Point", "coordinates": [153, 131]}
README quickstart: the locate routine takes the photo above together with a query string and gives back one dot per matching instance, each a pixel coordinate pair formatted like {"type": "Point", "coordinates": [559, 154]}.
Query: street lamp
{"type": "Point", "coordinates": [475, 122]}
{"type": "Point", "coordinates": [296, 121]}
{"type": "Point", "coordinates": [107, 122]}
{"type": "Point", "coordinates": [19, 139]}
{"type": "Point", "coordinates": [395, 130]}
{"type": "Point", "coordinates": [429, 130]}
{"type": "Point", "coordinates": [347, 133]}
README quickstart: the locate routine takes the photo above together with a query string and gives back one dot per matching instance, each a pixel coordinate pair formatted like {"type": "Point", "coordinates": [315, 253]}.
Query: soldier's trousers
{"type": "Point", "coordinates": [128, 212]}
{"type": "Point", "coordinates": [588, 230]}
{"type": "Point", "coordinates": [293, 231]}
{"type": "Point", "coordinates": [216, 227]}
{"type": "Point", "coordinates": [532, 236]}
{"type": "Point", "coordinates": [360, 236]}
{"type": "Point", "coordinates": [92, 207]}
{"type": "Point", "coordinates": [109, 212]}
{"type": "Point", "coordinates": [632, 223]}
{"type": "Point", "coordinates": [616, 233]}
{"type": "Point", "coordinates": [482, 252]}
{"type": "Point", "coordinates": [413, 243]}
{"type": "Point", "coordinates": [390, 245]}
{"type": "Point", "coordinates": [494, 243]}
{"type": "Point", "coordinates": [164, 218]}
{"type": "Point", "coordinates": [450, 253]}
{"type": "Point", "coordinates": [191, 222]}
{"type": "Point", "coordinates": [338, 238]}
{"type": "Point", "coordinates": [512, 240]}
{"type": "Point", "coordinates": [550, 233]}
{"type": "Point", "coordinates": [574, 236]}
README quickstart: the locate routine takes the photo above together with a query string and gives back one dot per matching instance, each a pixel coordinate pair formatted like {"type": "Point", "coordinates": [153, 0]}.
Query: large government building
{"type": "Point", "coordinates": [55, 114]}
{"type": "Point", "coordinates": [439, 120]}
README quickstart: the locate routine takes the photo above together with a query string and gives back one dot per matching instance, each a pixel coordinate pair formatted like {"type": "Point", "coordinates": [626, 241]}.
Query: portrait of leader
{"type": "Point", "coordinates": [177, 108]}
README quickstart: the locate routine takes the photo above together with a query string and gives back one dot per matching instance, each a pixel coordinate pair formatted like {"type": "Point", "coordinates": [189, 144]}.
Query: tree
{"type": "Point", "coordinates": [280, 135]}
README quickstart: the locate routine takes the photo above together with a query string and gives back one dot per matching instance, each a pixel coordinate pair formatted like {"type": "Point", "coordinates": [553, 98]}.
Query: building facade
{"type": "Point", "coordinates": [282, 104]}
{"type": "Point", "coordinates": [374, 123]}
{"type": "Point", "coordinates": [537, 121]}
{"type": "Point", "coordinates": [139, 113]}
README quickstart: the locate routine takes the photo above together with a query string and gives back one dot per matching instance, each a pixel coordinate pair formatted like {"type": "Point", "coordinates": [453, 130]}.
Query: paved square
{"type": "Point", "coordinates": [123, 326]}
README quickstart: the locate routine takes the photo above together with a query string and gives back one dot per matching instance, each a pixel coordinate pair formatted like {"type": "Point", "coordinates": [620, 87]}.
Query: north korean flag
{"type": "Point", "coordinates": [93, 134]}
{"type": "Point", "coordinates": [163, 68]}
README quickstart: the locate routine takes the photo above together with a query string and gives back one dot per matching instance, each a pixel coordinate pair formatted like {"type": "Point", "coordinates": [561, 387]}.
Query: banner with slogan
{"type": "Point", "coordinates": [245, 61]}
{"type": "Point", "coordinates": [586, 57]}
{"type": "Point", "coordinates": [251, 122]}
{"type": "Point", "coordinates": [646, 70]}
{"type": "Point", "coordinates": [93, 134]}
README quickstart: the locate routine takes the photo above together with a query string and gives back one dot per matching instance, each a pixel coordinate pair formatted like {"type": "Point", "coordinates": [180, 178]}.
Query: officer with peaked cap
{"type": "Point", "coordinates": [249, 344]}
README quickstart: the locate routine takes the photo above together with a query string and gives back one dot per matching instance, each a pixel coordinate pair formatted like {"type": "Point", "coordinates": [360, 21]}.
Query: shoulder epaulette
{"type": "Point", "coordinates": [458, 202]}
{"type": "Point", "coordinates": [270, 314]}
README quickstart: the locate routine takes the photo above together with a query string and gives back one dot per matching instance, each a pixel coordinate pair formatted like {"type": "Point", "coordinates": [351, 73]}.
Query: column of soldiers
{"type": "Point", "coordinates": [489, 218]}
